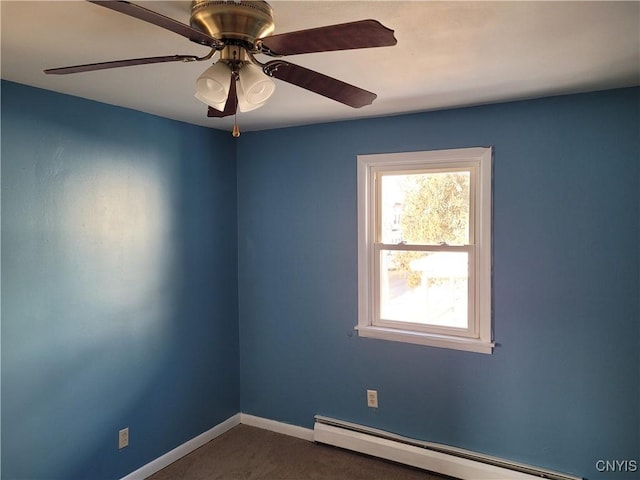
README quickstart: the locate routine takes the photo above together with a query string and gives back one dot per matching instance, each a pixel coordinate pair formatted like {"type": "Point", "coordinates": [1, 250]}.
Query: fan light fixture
{"type": "Point", "coordinates": [212, 87]}
{"type": "Point", "coordinates": [253, 89]}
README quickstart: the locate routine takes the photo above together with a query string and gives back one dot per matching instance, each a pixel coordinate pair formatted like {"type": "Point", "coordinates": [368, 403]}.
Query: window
{"type": "Point", "coordinates": [424, 248]}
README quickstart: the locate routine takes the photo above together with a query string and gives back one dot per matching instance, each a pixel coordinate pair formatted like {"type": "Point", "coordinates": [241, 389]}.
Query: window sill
{"type": "Point", "coordinates": [420, 338]}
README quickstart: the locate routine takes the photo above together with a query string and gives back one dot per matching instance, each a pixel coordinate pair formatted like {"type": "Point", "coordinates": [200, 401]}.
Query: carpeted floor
{"type": "Point", "coordinates": [249, 453]}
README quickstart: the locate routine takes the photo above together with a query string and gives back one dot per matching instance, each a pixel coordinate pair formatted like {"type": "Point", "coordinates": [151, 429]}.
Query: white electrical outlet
{"type": "Point", "coordinates": [123, 438]}
{"type": "Point", "coordinates": [372, 398]}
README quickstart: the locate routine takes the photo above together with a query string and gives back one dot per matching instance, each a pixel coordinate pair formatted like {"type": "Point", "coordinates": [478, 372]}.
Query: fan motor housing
{"type": "Point", "coordinates": [238, 20]}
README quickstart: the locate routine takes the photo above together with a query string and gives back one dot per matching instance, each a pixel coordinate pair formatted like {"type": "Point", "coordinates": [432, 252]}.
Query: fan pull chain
{"type": "Point", "coordinates": [236, 131]}
{"type": "Point", "coordinates": [236, 73]}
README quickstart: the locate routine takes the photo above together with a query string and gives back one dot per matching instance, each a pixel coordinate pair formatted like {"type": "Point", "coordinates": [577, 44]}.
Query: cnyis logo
{"type": "Point", "coordinates": [617, 466]}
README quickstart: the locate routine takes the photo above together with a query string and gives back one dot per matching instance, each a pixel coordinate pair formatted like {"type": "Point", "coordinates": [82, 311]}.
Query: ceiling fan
{"type": "Point", "coordinates": [238, 30]}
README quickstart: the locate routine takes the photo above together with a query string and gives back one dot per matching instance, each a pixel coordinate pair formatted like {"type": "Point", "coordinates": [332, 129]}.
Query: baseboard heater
{"type": "Point", "coordinates": [434, 457]}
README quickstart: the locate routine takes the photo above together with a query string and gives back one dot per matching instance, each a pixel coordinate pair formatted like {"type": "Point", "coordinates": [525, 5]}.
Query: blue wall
{"type": "Point", "coordinates": [119, 298]}
{"type": "Point", "coordinates": [562, 389]}
{"type": "Point", "coordinates": [120, 260]}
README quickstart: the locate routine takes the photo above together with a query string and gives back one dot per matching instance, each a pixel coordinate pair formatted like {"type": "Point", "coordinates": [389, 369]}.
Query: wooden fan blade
{"type": "Point", "coordinates": [167, 23]}
{"type": "Point", "coordinates": [231, 106]}
{"type": "Point", "coordinates": [344, 36]}
{"type": "Point", "coordinates": [318, 83]}
{"type": "Point", "coordinates": [119, 63]}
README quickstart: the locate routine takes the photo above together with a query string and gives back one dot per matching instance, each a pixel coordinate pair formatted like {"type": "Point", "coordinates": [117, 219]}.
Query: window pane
{"type": "Point", "coordinates": [426, 208]}
{"type": "Point", "coordinates": [430, 288]}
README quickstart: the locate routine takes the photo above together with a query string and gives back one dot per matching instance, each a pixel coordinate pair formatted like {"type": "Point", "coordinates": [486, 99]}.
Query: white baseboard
{"type": "Point", "coordinates": [278, 427]}
{"type": "Point", "coordinates": [184, 449]}
{"type": "Point", "coordinates": [177, 453]}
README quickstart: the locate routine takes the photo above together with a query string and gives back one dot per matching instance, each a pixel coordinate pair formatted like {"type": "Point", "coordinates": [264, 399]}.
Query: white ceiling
{"type": "Point", "coordinates": [449, 54]}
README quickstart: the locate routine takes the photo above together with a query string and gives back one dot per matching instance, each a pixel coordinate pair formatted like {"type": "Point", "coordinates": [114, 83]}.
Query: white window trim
{"type": "Point", "coordinates": [369, 164]}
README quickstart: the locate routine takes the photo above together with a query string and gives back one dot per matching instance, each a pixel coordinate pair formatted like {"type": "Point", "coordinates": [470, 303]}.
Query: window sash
{"type": "Point", "coordinates": [472, 329]}
{"type": "Point", "coordinates": [376, 180]}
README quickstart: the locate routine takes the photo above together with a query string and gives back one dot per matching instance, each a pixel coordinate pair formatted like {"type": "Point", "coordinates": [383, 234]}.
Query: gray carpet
{"type": "Point", "coordinates": [249, 453]}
